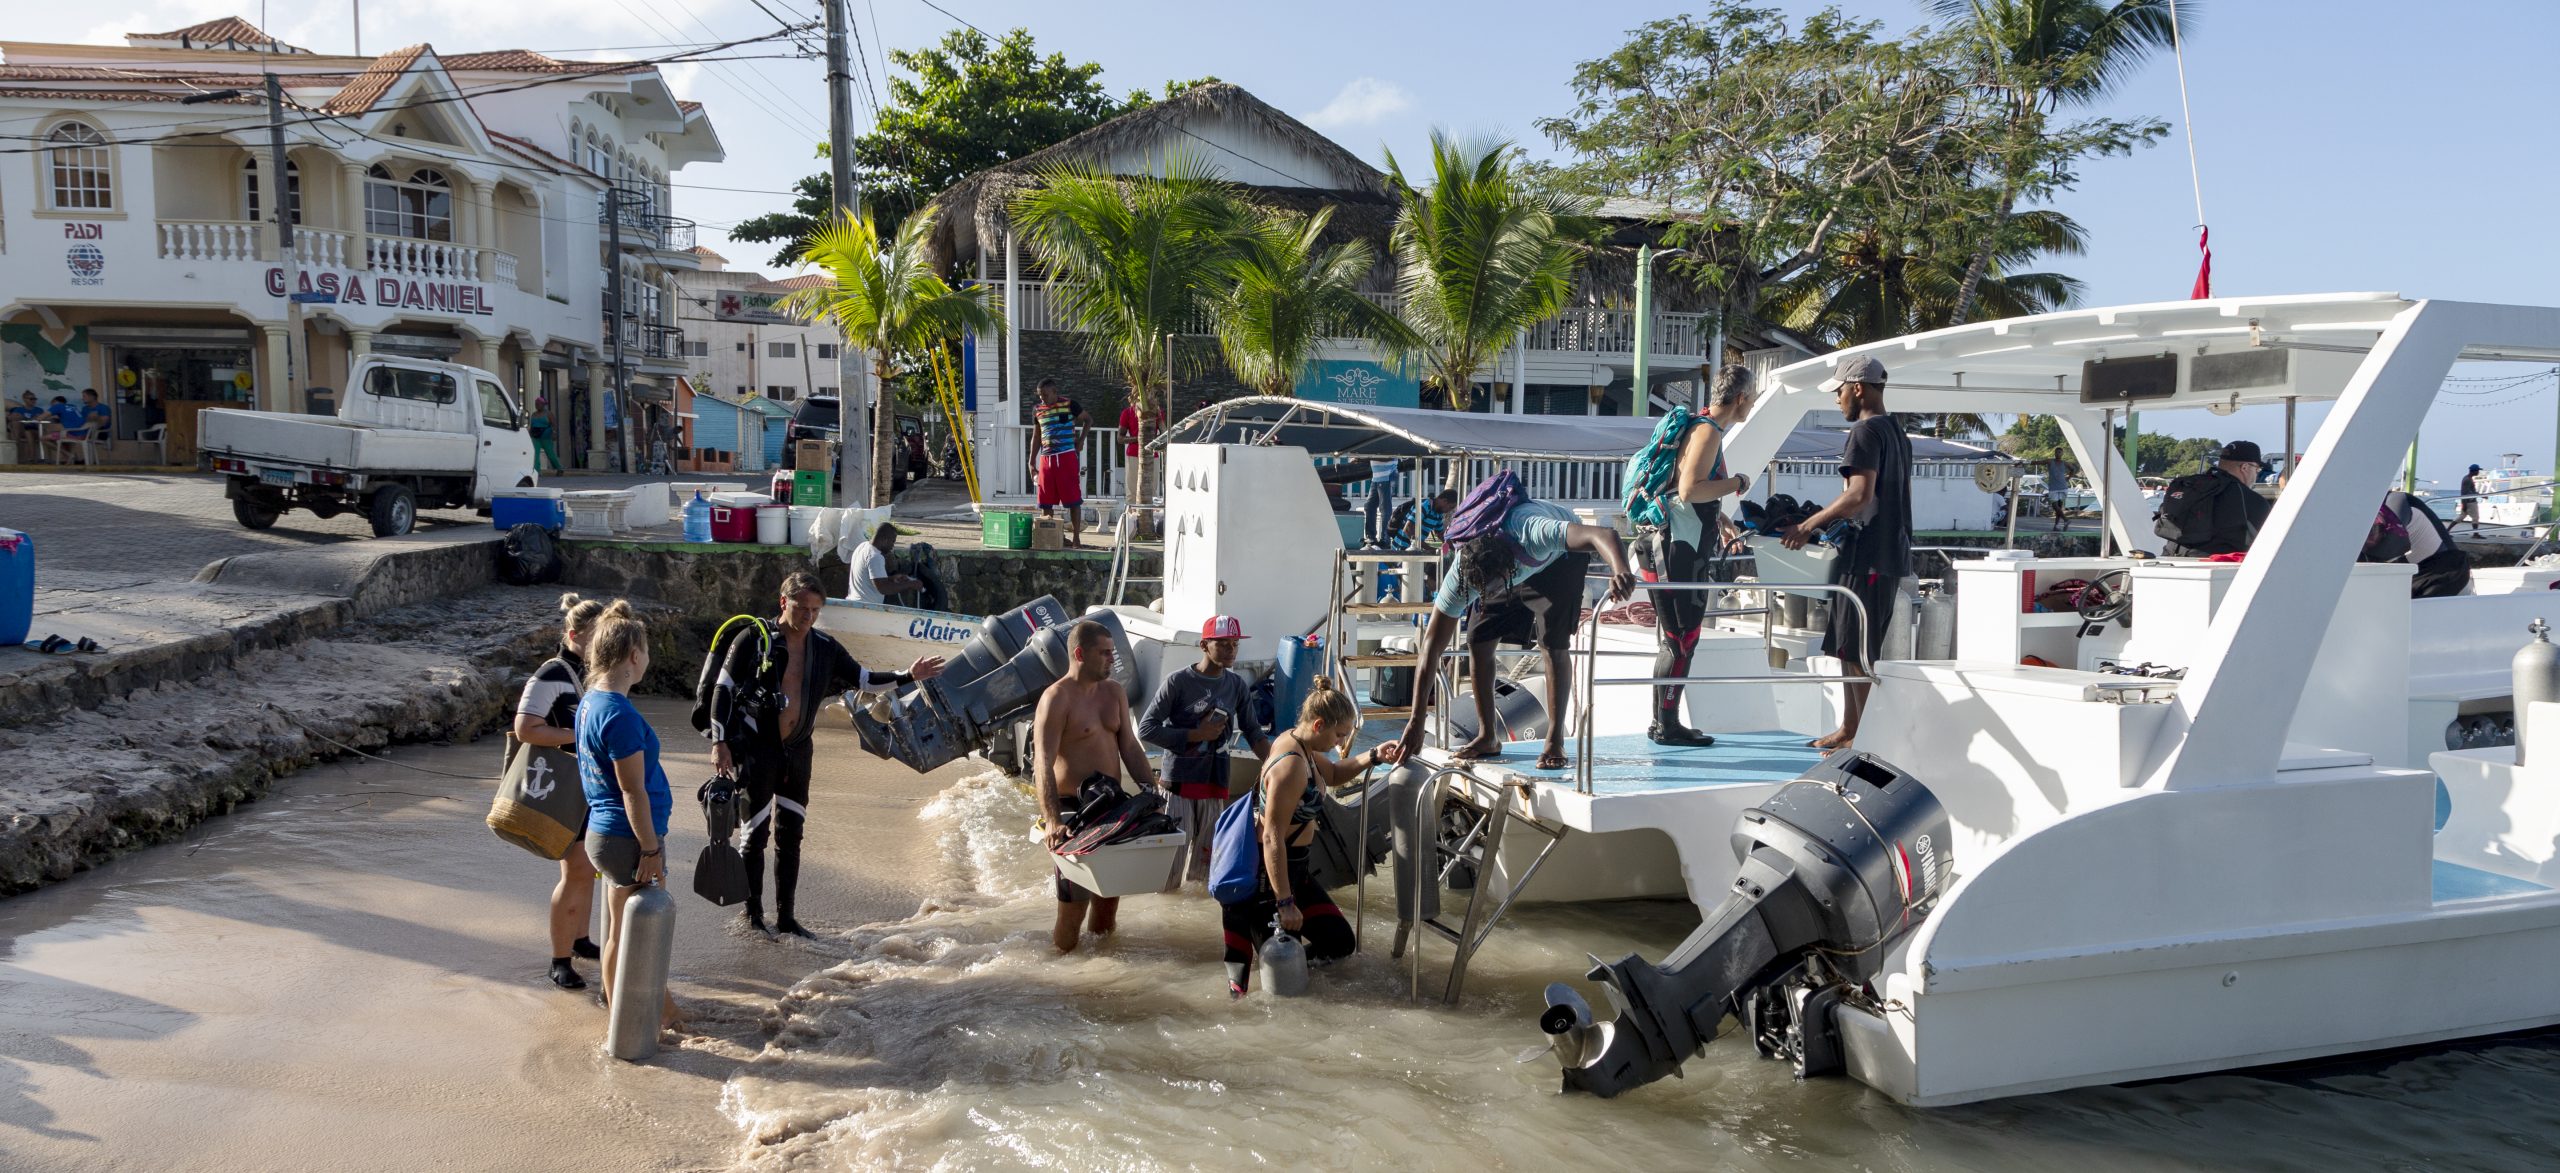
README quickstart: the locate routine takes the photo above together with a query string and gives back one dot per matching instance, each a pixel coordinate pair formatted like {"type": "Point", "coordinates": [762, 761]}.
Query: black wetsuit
{"type": "Point", "coordinates": [1692, 532]}
{"type": "Point", "coordinates": [746, 714]}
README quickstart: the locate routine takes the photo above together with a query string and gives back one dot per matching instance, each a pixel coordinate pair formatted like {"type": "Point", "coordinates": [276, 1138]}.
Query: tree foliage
{"type": "Point", "coordinates": [2037, 437]}
{"type": "Point", "coordinates": [1481, 254]}
{"type": "Point", "coordinates": [958, 108]}
{"type": "Point", "coordinates": [1827, 170]}
{"type": "Point", "coordinates": [1142, 257]}
{"type": "Point", "coordinates": [1287, 292]}
{"type": "Point", "coordinates": [888, 302]}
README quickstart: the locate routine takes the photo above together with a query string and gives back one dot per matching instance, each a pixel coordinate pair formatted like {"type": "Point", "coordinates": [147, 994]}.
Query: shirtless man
{"type": "Point", "coordinates": [1084, 738]}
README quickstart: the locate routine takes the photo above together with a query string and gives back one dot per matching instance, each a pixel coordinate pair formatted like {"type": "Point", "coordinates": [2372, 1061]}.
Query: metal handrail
{"type": "Point", "coordinates": [1590, 682]}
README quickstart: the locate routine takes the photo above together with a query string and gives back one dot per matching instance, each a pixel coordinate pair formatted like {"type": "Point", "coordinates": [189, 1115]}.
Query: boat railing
{"type": "Point", "coordinates": [1589, 683]}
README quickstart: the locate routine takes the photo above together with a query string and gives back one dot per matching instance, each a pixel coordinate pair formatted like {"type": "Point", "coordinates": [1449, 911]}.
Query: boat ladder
{"type": "Point", "coordinates": [1124, 537]}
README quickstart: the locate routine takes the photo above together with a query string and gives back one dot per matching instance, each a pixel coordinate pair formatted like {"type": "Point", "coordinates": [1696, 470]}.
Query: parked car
{"type": "Point", "coordinates": [410, 434]}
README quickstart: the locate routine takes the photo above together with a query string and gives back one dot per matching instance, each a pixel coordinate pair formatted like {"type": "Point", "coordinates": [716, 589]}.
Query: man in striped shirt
{"type": "Point", "coordinates": [1060, 479]}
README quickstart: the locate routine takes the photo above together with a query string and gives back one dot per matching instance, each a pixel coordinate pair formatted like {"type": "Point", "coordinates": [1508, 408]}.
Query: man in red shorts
{"type": "Point", "coordinates": [1061, 480]}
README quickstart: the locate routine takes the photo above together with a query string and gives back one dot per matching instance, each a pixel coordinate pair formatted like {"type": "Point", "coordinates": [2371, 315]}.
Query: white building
{"type": "Point", "coordinates": [781, 361]}
{"type": "Point", "coordinates": [442, 205]}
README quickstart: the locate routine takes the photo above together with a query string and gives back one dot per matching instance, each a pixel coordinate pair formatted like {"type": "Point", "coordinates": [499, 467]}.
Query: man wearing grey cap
{"type": "Point", "coordinates": [1875, 498]}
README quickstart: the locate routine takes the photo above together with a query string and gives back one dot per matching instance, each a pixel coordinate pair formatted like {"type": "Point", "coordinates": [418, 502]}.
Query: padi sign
{"type": "Point", "coordinates": [388, 292]}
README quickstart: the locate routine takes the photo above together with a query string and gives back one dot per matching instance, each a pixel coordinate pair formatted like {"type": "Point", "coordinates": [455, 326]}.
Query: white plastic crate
{"type": "Point", "coordinates": [1778, 564]}
{"type": "Point", "coordinates": [1131, 867]}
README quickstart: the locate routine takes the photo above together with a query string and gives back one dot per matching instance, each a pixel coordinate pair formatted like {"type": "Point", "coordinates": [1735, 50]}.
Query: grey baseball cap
{"type": "Point", "coordinates": [1854, 368]}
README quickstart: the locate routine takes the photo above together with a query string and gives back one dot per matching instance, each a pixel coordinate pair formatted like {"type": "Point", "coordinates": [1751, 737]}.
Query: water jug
{"type": "Point", "coordinates": [697, 518]}
{"type": "Point", "coordinates": [640, 972]}
{"type": "Point", "coordinates": [1284, 963]}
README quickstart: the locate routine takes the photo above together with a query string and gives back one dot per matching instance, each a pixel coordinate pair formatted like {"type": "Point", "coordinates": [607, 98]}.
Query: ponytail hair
{"type": "Point", "coordinates": [616, 639]}
{"type": "Point", "coordinates": [1328, 706]}
{"type": "Point", "coordinates": [579, 615]}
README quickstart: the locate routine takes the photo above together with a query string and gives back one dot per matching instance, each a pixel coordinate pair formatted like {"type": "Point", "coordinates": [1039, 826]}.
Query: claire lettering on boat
{"type": "Point", "coordinates": [922, 628]}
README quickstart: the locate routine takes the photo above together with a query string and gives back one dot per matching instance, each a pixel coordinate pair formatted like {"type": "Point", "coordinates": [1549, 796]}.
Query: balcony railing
{"type": "Point", "coordinates": [643, 224]}
{"type": "Point", "coordinates": [645, 339]}
{"type": "Point", "coordinates": [1580, 330]}
{"type": "Point", "coordinates": [322, 248]}
{"type": "Point", "coordinates": [435, 259]}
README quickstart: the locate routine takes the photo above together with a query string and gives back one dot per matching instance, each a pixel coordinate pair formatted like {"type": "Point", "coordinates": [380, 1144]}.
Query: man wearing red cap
{"type": "Point", "coordinates": [1190, 717]}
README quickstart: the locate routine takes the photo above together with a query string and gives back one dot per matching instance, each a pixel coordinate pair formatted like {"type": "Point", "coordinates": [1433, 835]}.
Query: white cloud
{"type": "Point", "coordinates": [1361, 102]}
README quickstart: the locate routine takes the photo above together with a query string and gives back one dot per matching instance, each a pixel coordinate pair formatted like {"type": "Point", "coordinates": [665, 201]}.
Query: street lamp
{"type": "Point", "coordinates": [1645, 257]}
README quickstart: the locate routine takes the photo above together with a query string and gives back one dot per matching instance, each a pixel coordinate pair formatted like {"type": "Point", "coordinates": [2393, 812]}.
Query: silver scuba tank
{"type": "Point", "coordinates": [2537, 677]}
{"type": "Point", "coordinates": [640, 973]}
{"type": "Point", "coordinates": [1284, 963]}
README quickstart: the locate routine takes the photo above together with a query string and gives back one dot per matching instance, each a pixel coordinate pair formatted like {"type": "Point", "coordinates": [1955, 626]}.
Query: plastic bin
{"type": "Point", "coordinates": [809, 487]}
{"type": "Point", "coordinates": [1131, 867]}
{"type": "Point", "coordinates": [773, 525]}
{"type": "Point", "coordinates": [733, 516]}
{"type": "Point", "coordinates": [802, 518]}
{"type": "Point", "coordinates": [17, 586]}
{"type": "Point", "coordinates": [1006, 530]}
{"type": "Point", "coordinates": [532, 506]}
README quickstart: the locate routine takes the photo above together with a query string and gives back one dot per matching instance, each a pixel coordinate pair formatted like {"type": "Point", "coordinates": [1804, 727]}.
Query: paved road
{"type": "Point", "coordinates": [105, 532]}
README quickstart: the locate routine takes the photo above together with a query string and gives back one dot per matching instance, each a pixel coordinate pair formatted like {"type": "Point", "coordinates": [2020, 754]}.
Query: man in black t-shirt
{"type": "Point", "coordinates": [1875, 497]}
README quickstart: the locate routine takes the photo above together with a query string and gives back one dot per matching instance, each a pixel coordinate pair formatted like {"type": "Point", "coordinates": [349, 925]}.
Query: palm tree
{"type": "Point", "coordinates": [891, 305]}
{"type": "Point", "coordinates": [1142, 256]}
{"type": "Point", "coordinates": [1883, 283]}
{"type": "Point", "coordinates": [2042, 55]}
{"type": "Point", "coordinates": [1289, 292]}
{"type": "Point", "coordinates": [1481, 258]}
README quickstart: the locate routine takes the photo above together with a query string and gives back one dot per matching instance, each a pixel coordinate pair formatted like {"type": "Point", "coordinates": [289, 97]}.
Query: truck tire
{"type": "Point", "coordinates": [254, 514]}
{"type": "Point", "coordinates": [393, 511]}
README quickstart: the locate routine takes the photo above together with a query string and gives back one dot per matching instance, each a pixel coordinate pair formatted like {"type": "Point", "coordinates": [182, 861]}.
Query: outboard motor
{"type": "Point", "coordinates": [999, 674]}
{"type": "Point", "coordinates": [1836, 866]}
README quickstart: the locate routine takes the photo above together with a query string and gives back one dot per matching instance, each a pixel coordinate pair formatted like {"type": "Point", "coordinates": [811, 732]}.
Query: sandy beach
{"type": "Point", "coordinates": [348, 974]}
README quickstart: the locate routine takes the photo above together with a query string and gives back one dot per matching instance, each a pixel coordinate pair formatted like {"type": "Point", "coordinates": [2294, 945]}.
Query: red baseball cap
{"type": "Point", "coordinates": [1222, 627]}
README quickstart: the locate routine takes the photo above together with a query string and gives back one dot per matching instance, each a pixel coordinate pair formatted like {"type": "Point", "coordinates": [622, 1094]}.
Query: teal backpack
{"type": "Point", "coordinates": [1647, 482]}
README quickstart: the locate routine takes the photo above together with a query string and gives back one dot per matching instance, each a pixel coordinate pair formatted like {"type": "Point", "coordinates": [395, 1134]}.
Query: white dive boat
{"type": "Point", "coordinates": [2076, 877]}
{"type": "Point", "coordinates": [890, 637]}
{"type": "Point", "coordinates": [2511, 494]}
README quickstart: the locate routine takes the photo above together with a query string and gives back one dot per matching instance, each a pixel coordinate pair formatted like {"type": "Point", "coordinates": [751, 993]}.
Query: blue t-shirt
{"type": "Point", "coordinates": [99, 418]}
{"type": "Point", "coordinates": [68, 415]}
{"type": "Point", "coordinates": [610, 728]}
{"type": "Point", "coordinates": [1537, 529]}
{"type": "Point", "coordinates": [26, 413]}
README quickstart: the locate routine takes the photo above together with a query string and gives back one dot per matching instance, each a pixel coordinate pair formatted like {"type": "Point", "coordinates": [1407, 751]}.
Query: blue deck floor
{"type": "Point", "coordinates": [2452, 881]}
{"type": "Point", "coordinates": [1630, 763]}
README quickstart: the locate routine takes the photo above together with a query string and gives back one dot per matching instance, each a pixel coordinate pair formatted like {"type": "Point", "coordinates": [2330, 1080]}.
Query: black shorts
{"type": "Point", "coordinates": [1879, 592]}
{"type": "Point", "coordinates": [1540, 612]}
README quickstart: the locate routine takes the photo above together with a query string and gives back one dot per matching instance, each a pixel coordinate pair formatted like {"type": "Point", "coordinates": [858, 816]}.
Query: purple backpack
{"type": "Point", "coordinates": [1484, 508]}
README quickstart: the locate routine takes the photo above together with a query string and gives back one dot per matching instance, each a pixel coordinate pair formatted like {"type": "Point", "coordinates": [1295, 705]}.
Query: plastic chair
{"type": "Point", "coordinates": [157, 435]}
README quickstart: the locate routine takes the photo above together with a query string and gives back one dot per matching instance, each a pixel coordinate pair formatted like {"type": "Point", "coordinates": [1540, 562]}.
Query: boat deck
{"type": "Point", "coordinates": [1630, 763]}
{"type": "Point", "coordinates": [2453, 881]}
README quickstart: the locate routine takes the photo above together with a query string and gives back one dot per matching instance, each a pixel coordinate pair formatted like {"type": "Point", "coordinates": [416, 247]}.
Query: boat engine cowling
{"type": "Point", "coordinates": [1836, 866]}
{"type": "Point", "coordinates": [998, 675]}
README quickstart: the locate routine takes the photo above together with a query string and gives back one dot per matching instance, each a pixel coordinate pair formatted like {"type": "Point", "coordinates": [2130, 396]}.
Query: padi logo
{"type": "Point", "coordinates": [941, 633]}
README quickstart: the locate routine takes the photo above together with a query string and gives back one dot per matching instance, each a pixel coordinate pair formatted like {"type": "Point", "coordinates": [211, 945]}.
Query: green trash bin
{"type": "Point", "coordinates": [809, 487]}
{"type": "Point", "coordinates": [1006, 530]}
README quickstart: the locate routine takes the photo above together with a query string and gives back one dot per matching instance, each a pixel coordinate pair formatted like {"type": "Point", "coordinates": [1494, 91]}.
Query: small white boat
{"type": "Point", "coordinates": [890, 637]}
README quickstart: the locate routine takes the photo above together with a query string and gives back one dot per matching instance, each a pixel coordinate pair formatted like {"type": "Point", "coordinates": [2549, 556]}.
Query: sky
{"type": "Point", "coordinates": [2342, 144]}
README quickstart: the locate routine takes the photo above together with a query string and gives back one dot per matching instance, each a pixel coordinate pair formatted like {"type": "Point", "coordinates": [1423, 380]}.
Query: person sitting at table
{"type": "Point", "coordinates": [69, 428]}
{"type": "Point", "coordinates": [26, 422]}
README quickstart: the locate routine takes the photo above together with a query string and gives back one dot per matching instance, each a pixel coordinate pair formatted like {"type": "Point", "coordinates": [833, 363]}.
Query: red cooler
{"type": "Point", "coordinates": [733, 516]}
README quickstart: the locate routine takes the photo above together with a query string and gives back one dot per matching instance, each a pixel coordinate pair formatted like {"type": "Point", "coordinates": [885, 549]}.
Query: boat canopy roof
{"type": "Point", "coordinates": [1341, 429]}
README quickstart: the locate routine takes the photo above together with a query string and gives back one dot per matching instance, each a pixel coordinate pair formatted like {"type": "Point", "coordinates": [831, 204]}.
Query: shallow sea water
{"type": "Point", "coordinates": [956, 1039]}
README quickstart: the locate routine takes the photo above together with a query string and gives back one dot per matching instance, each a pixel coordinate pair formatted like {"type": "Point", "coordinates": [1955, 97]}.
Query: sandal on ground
{"type": "Point", "coordinates": [87, 644]}
{"type": "Point", "coordinates": [1553, 759]}
{"type": "Point", "coordinates": [48, 645]}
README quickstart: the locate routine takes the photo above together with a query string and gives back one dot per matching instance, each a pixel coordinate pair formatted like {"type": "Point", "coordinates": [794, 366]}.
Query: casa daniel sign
{"type": "Point", "coordinates": [399, 293]}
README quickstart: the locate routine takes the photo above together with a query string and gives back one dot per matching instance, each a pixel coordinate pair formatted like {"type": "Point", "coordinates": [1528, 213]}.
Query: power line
{"type": "Point", "coordinates": [956, 16]}
{"type": "Point", "coordinates": [721, 74]}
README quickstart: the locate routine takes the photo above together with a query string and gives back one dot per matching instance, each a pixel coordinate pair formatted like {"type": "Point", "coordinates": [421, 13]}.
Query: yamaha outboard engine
{"type": "Point", "coordinates": [1836, 866]}
{"type": "Point", "coordinates": [998, 675]}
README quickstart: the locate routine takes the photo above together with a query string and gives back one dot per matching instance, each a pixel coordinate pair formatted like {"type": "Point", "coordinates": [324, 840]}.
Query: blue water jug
{"type": "Point", "coordinates": [697, 518]}
{"type": "Point", "coordinates": [17, 586]}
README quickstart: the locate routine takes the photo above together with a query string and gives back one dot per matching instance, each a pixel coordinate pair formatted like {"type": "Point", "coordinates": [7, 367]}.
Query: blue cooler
{"type": "Point", "coordinates": [532, 506]}
{"type": "Point", "coordinates": [17, 586]}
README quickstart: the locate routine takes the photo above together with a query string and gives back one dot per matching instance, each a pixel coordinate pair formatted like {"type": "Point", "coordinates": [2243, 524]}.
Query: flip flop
{"type": "Point", "coordinates": [86, 644]}
{"type": "Point", "coordinates": [1553, 759]}
{"type": "Point", "coordinates": [48, 645]}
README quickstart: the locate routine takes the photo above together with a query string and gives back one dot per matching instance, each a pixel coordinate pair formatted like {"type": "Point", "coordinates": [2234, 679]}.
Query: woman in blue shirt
{"type": "Point", "coordinates": [618, 768]}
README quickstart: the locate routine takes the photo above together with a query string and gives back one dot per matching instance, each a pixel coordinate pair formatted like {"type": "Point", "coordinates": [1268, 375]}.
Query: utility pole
{"type": "Point", "coordinates": [1638, 402]}
{"type": "Point", "coordinates": [281, 199]}
{"type": "Point", "coordinates": [613, 310]}
{"type": "Point", "coordinates": [856, 407]}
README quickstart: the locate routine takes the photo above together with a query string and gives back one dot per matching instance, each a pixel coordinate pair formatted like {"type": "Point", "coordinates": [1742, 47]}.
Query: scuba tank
{"type": "Point", "coordinates": [640, 972]}
{"type": "Point", "coordinates": [2536, 678]}
{"type": "Point", "coordinates": [1284, 962]}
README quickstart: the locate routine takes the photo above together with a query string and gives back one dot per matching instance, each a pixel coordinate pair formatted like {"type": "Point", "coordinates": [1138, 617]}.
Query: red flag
{"type": "Point", "coordinates": [2204, 270]}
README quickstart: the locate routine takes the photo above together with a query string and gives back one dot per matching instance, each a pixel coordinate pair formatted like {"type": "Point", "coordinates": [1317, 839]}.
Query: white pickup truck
{"type": "Point", "coordinates": [411, 433]}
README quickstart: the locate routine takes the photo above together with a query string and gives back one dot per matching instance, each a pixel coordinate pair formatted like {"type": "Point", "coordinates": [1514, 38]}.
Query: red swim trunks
{"type": "Point", "coordinates": [1061, 480]}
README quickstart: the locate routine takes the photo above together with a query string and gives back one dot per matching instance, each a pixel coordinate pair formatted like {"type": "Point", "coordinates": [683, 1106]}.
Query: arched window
{"type": "Point", "coordinates": [420, 207]}
{"type": "Point", "coordinates": [292, 190]}
{"type": "Point", "coordinates": [82, 168]}
{"type": "Point", "coordinates": [575, 129]}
